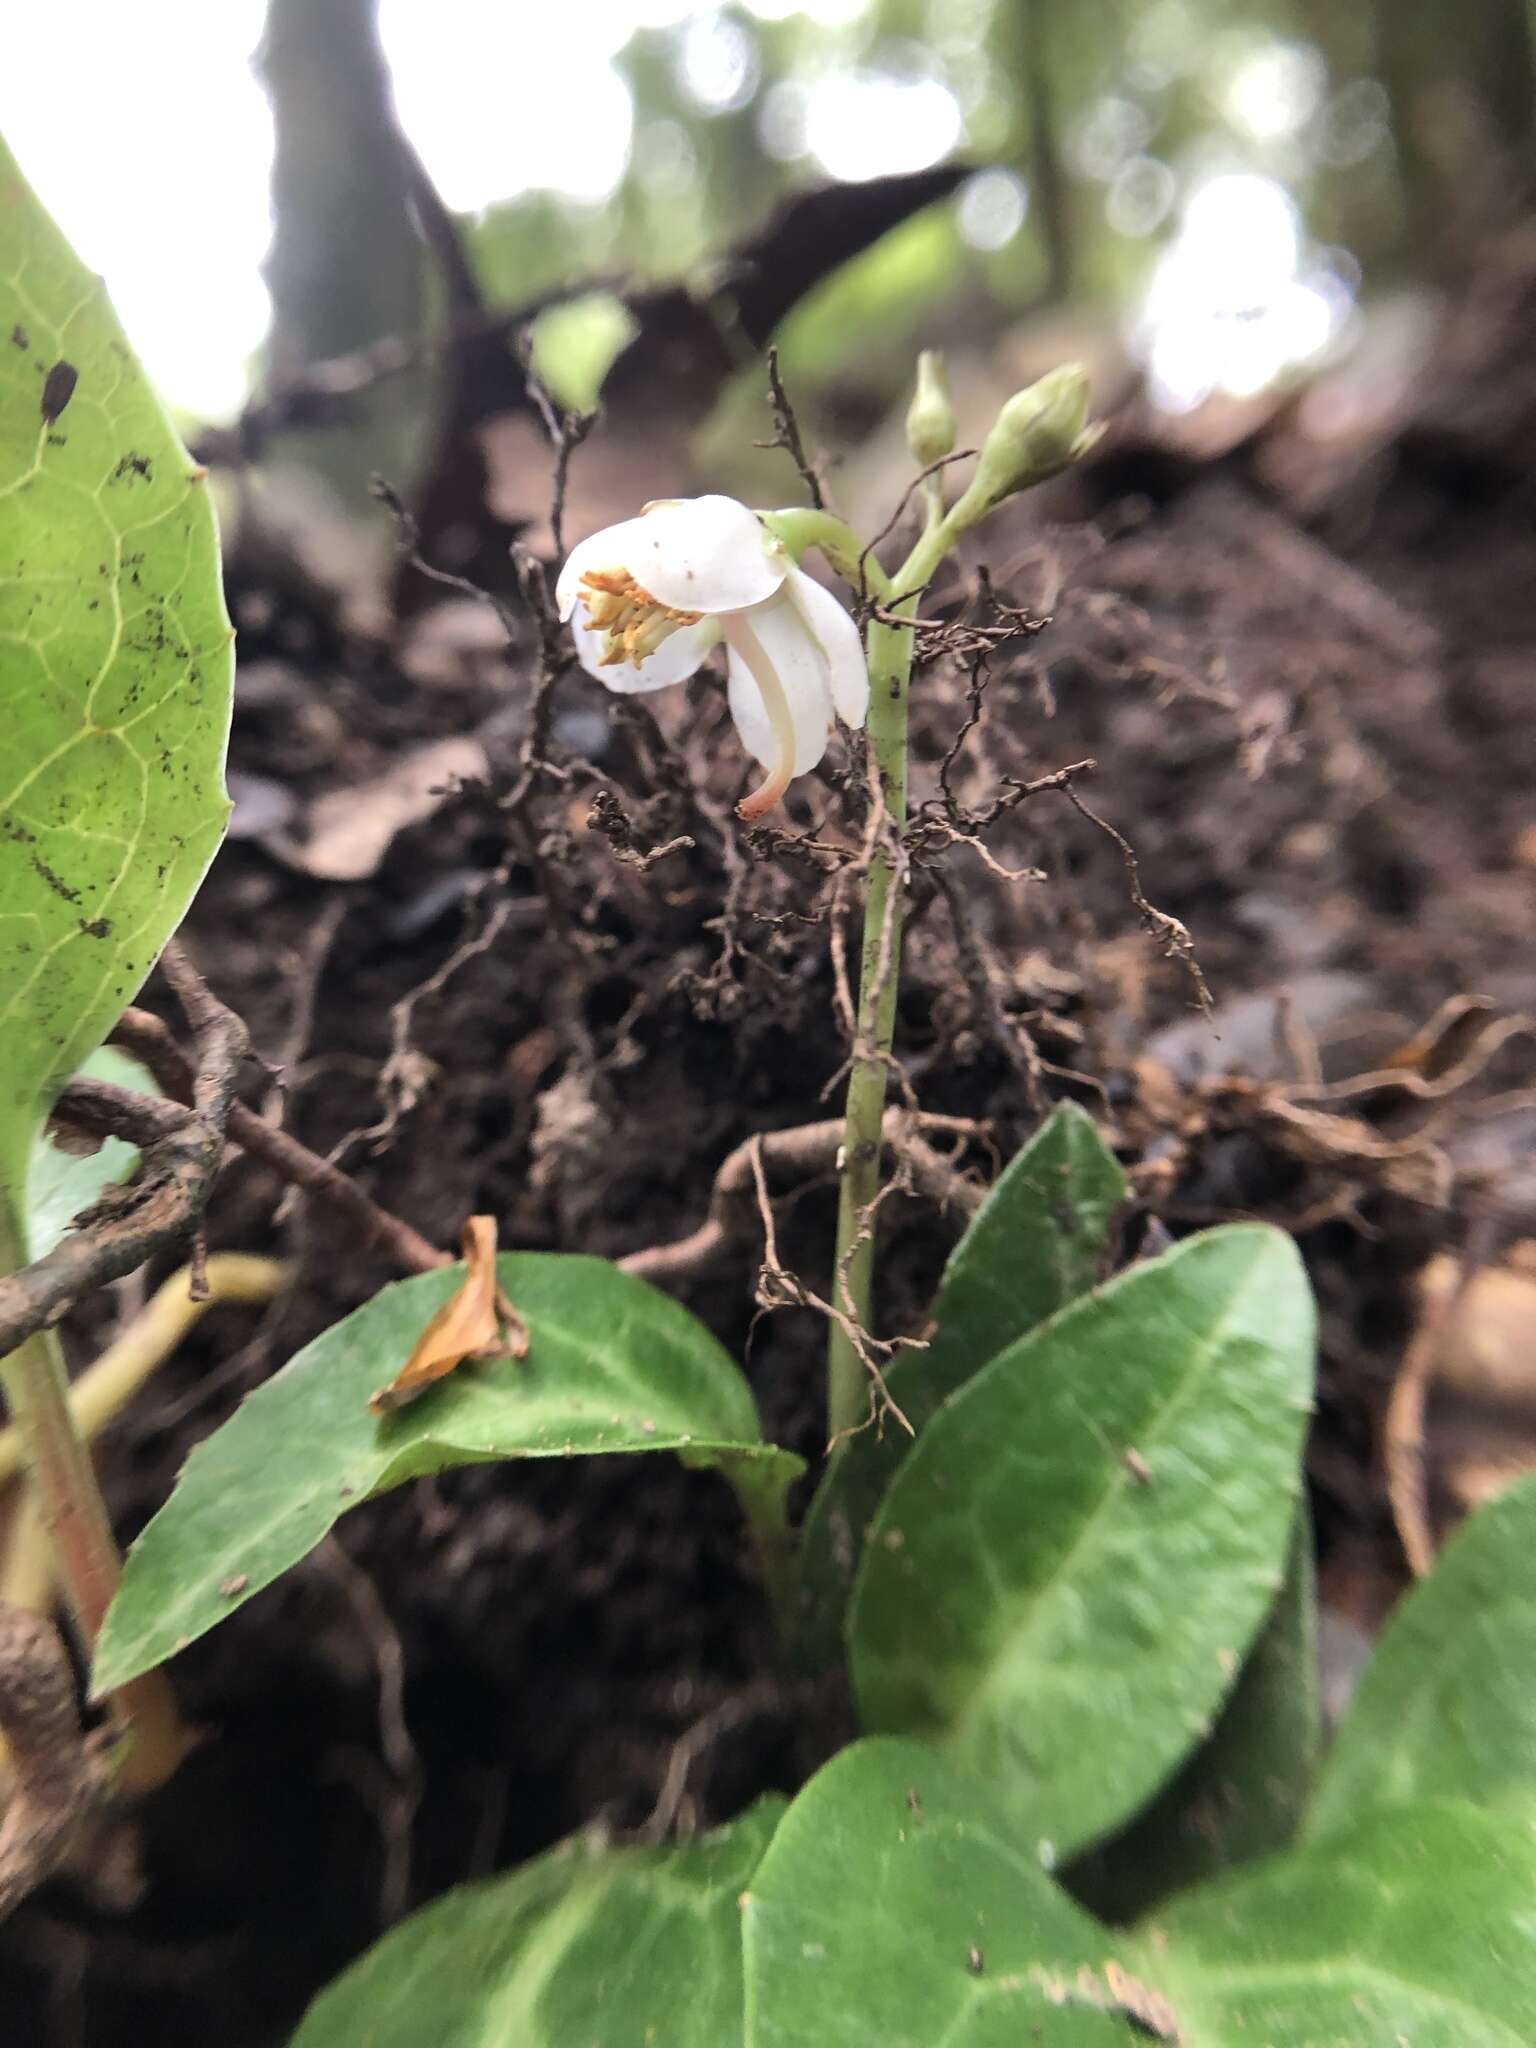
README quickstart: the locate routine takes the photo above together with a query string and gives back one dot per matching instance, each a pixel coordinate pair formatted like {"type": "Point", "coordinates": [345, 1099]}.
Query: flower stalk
{"type": "Point", "coordinates": [890, 650]}
{"type": "Point", "coordinates": [1039, 432]}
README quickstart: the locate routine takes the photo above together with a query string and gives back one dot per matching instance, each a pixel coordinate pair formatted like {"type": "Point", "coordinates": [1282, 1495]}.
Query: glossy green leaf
{"type": "Point", "coordinates": [1447, 1706]}
{"type": "Point", "coordinates": [614, 1365]}
{"type": "Point", "coordinates": [585, 1948]}
{"type": "Point", "coordinates": [1036, 1243]}
{"type": "Point", "coordinates": [115, 673]}
{"type": "Point", "coordinates": [60, 1184]}
{"type": "Point", "coordinates": [1242, 1794]}
{"type": "Point", "coordinates": [1417, 1926]}
{"type": "Point", "coordinates": [891, 1907]}
{"type": "Point", "coordinates": [1068, 1570]}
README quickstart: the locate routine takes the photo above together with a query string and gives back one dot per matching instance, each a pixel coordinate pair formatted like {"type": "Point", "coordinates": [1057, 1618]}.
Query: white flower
{"type": "Point", "coordinates": [657, 592]}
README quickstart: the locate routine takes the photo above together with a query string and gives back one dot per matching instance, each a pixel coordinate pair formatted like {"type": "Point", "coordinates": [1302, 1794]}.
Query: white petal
{"type": "Point", "coordinates": [610, 549]}
{"type": "Point", "coordinates": [834, 629]}
{"type": "Point", "coordinates": [673, 662]}
{"type": "Point", "coordinates": [788, 646]}
{"type": "Point", "coordinates": [704, 555]}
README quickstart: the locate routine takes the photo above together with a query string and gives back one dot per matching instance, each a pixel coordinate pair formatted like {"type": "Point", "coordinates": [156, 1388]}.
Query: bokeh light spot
{"type": "Point", "coordinates": [992, 208]}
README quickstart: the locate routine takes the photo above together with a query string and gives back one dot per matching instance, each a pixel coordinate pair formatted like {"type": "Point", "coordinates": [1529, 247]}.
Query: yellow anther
{"type": "Point", "coordinates": [633, 623]}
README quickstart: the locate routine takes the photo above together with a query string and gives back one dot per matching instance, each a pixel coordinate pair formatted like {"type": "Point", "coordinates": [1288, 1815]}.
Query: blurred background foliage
{"type": "Point", "coordinates": [1186, 166]}
{"type": "Point", "coordinates": [1225, 187]}
{"type": "Point", "coordinates": [1100, 119]}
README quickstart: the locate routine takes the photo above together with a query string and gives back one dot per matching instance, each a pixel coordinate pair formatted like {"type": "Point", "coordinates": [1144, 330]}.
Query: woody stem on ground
{"type": "Point", "coordinates": [75, 1515]}
{"type": "Point", "coordinates": [890, 671]}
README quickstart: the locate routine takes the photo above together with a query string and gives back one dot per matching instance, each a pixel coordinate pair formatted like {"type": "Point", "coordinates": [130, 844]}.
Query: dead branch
{"type": "Point", "coordinates": [164, 1204]}
{"type": "Point", "coordinates": [106, 1110]}
{"type": "Point", "coordinates": [786, 433]}
{"type": "Point", "coordinates": [566, 431]}
{"type": "Point", "coordinates": [408, 548]}
{"type": "Point", "coordinates": [58, 1778]}
{"type": "Point", "coordinates": [183, 1139]}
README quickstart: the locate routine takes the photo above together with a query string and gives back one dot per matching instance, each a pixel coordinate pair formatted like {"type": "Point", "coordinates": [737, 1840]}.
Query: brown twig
{"type": "Point", "coordinates": [183, 1140]}
{"type": "Point", "coordinates": [400, 1085]}
{"type": "Point", "coordinates": [1171, 933]}
{"type": "Point", "coordinates": [777, 1287]}
{"type": "Point", "coordinates": [786, 433]}
{"type": "Point", "coordinates": [164, 1204]}
{"type": "Point", "coordinates": [960, 455]}
{"type": "Point", "coordinates": [556, 656]}
{"type": "Point", "coordinates": [1016, 791]}
{"type": "Point", "coordinates": [58, 1777]}
{"type": "Point", "coordinates": [408, 548]}
{"type": "Point", "coordinates": [609, 818]}
{"type": "Point", "coordinates": [105, 1110]}
{"type": "Point", "coordinates": [566, 431]}
{"type": "Point", "coordinates": [977, 685]}
{"type": "Point", "coordinates": [808, 1148]}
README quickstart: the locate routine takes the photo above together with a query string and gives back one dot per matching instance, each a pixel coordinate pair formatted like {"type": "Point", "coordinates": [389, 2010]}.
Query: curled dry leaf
{"type": "Point", "coordinates": [1461, 1422]}
{"type": "Point", "coordinates": [476, 1321]}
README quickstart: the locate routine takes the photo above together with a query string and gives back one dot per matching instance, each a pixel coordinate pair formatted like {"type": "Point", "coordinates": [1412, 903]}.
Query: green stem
{"type": "Point", "coordinates": [890, 671]}
{"type": "Point", "coordinates": [801, 527]}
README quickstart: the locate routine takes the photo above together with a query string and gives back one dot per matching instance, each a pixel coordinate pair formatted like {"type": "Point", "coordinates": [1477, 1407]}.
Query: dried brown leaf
{"type": "Point", "coordinates": [476, 1321]}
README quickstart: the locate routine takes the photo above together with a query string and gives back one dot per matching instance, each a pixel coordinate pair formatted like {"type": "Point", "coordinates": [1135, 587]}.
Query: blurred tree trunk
{"type": "Point", "coordinates": [1027, 47]}
{"type": "Point", "coordinates": [346, 266]}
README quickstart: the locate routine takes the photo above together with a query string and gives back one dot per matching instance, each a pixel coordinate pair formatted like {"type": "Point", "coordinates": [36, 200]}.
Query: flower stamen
{"type": "Point", "coordinates": [632, 622]}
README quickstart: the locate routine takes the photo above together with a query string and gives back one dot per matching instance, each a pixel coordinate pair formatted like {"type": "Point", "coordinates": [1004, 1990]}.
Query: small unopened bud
{"type": "Point", "coordinates": [931, 415]}
{"type": "Point", "coordinates": [1039, 432]}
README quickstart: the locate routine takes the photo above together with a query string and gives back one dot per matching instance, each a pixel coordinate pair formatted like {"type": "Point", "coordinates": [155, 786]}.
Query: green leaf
{"type": "Point", "coordinates": [1417, 1927]}
{"type": "Point", "coordinates": [1035, 1244]}
{"type": "Point", "coordinates": [616, 1948]}
{"type": "Point", "coordinates": [891, 1908]}
{"type": "Point", "coordinates": [60, 1184]}
{"type": "Point", "coordinates": [614, 1365]}
{"type": "Point", "coordinates": [115, 672]}
{"type": "Point", "coordinates": [1242, 1793]}
{"type": "Point", "coordinates": [1066, 1574]}
{"type": "Point", "coordinates": [1447, 1706]}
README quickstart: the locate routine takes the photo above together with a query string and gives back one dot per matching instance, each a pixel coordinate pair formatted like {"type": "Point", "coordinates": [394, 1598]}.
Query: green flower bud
{"type": "Point", "coordinates": [931, 415]}
{"type": "Point", "coordinates": [1038, 433]}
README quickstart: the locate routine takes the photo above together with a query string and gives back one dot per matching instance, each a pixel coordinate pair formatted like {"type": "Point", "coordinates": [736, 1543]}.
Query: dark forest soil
{"type": "Point", "coordinates": [1312, 713]}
